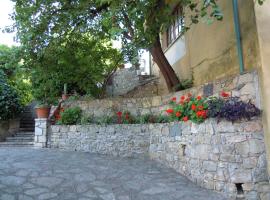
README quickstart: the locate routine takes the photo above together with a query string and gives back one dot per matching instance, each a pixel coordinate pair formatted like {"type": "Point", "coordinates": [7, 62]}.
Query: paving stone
{"type": "Point", "coordinates": [47, 196]}
{"type": "Point", "coordinates": [7, 197]}
{"type": "Point", "coordinates": [123, 180]}
{"type": "Point", "coordinates": [12, 180]}
{"type": "Point", "coordinates": [36, 191]}
{"type": "Point", "coordinates": [47, 181]}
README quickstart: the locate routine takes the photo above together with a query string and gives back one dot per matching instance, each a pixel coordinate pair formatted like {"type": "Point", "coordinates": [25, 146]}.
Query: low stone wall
{"type": "Point", "coordinates": [218, 156]}
{"type": "Point", "coordinates": [244, 86]}
{"type": "Point", "coordinates": [7, 128]}
{"type": "Point", "coordinates": [117, 140]}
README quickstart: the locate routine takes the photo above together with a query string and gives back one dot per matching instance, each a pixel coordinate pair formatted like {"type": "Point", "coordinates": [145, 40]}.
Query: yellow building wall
{"type": "Point", "coordinates": [211, 51]}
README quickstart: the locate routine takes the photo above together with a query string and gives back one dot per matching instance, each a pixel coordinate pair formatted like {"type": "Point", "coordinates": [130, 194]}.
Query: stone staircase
{"type": "Point", "coordinates": [25, 136]}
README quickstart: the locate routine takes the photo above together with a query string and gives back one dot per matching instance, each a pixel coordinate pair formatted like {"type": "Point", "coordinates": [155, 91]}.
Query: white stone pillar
{"type": "Point", "coordinates": [41, 130]}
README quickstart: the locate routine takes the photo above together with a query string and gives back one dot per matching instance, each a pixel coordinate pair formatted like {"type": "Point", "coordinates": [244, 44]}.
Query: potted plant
{"type": "Point", "coordinates": [42, 110]}
{"type": "Point", "coordinates": [44, 93]}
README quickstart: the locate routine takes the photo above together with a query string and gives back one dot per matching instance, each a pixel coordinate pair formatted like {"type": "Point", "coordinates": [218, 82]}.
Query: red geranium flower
{"type": "Point", "coordinates": [189, 95]}
{"type": "Point", "coordinates": [127, 116]}
{"type": "Point", "coordinates": [193, 107]}
{"type": "Point", "coordinates": [178, 114]}
{"type": "Point", "coordinates": [169, 111]}
{"type": "Point", "coordinates": [119, 114]}
{"type": "Point", "coordinates": [204, 114]}
{"type": "Point", "coordinates": [199, 113]}
{"type": "Point", "coordinates": [200, 107]}
{"type": "Point", "coordinates": [185, 118]}
{"type": "Point", "coordinates": [199, 98]}
{"type": "Point", "coordinates": [181, 102]}
{"type": "Point", "coordinates": [224, 94]}
{"type": "Point", "coordinates": [188, 99]}
{"type": "Point", "coordinates": [173, 99]}
{"type": "Point", "coordinates": [183, 97]}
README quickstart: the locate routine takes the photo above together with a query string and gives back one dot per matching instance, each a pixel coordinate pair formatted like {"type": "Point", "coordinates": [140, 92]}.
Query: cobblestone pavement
{"type": "Point", "coordinates": [39, 174]}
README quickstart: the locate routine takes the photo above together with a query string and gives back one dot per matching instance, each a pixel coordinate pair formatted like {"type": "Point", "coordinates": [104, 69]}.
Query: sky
{"type": "Point", "coordinates": [6, 8]}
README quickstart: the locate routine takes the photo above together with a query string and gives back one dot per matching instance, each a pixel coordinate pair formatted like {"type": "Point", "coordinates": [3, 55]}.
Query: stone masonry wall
{"type": "Point", "coordinates": [244, 86]}
{"type": "Point", "coordinates": [123, 81]}
{"type": "Point", "coordinates": [214, 155]}
{"type": "Point", "coordinates": [117, 140]}
{"type": "Point", "coordinates": [8, 128]}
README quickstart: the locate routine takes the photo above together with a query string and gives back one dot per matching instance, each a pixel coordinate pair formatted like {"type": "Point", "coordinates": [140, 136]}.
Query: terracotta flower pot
{"type": "Point", "coordinates": [43, 112]}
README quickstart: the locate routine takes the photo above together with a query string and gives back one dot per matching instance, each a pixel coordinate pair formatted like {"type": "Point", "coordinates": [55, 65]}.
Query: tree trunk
{"type": "Point", "coordinates": [164, 65]}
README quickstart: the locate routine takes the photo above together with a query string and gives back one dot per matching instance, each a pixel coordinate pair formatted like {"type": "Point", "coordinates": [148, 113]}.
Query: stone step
{"type": "Point", "coordinates": [24, 134]}
{"type": "Point", "coordinates": [29, 129]}
{"type": "Point", "coordinates": [20, 139]}
{"type": "Point", "coordinates": [27, 125]}
{"type": "Point", "coordinates": [16, 144]}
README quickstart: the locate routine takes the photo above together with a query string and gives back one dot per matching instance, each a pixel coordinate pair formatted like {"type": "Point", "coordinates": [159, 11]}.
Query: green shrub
{"type": "Point", "coordinates": [85, 120]}
{"type": "Point", "coordinates": [9, 100]}
{"type": "Point", "coordinates": [70, 116]}
{"type": "Point", "coordinates": [106, 120]}
{"type": "Point", "coordinates": [147, 118]}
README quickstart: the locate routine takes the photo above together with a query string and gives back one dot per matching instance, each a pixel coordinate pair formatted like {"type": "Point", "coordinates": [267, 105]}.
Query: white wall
{"type": "Point", "coordinates": [176, 51]}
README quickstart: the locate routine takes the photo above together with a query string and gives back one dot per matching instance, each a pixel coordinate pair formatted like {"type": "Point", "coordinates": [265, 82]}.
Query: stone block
{"type": "Point", "coordinates": [253, 126]}
{"type": "Point", "coordinates": [225, 127]}
{"type": "Point", "coordinates": [245, 78]}
{"type": "Point", "coordinates": [73, 128]}
{"type": "Point", "coordinates": [256, 146]}
{"type": "Point", "coordinates": [250, 162]}
{"type": "Point", "coordinates": [241, 176]}
{"type": "Point", "coordinates": [219, 186]}
{"type": "Point", "coordinates": [175, 130]}
{"type": "Point", "coordinates": [242, 148]}
{"type": "Point", "coordinates": [38, 131]}
{"type": "Point", "coordinates": [156, 101]}
{"type": "Point", "coordinates": [236, 139]}
{"type": "Point", "coordinates": [248, 186]}
{"type": "Point", "coordinates": [41, 139]}
{"type": "Point", "coordinates": [55, 129]}
{"type": "Point", "coordinates": [248, 89]}
{"type": "Point", "coordinates": [210, 166]}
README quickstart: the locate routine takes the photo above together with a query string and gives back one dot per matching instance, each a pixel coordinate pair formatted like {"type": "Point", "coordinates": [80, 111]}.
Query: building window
{"type": "Point", "coordinates": [175, 29]}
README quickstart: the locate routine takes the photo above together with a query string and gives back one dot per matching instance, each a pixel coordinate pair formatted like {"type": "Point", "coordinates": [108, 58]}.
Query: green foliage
{"type": "Point", "coordinates": [147, 118]}
{"type": "Point", "coordinates": [85, 120]}
{"type": "Point", "coordinates": [70, 116]}
{"type": "Point", "coordinates": [106, 120]}
{"type": "Point", "coordinates": [215, 105]}
{"type": "Point", "coordinates": [83, 63]}
{"type": "Point", "coordinates": [9, 100]}
{"type": "Point", "coordinates": [137, 23]}
{"type": "Point", "coordinates": [185, 84]}
{"type": "Point", "coordinates": [189, 108]}
{"type": "Point", "coordinates": [17, 73]}
{"type": "Point", "coordinates": [163, 119]}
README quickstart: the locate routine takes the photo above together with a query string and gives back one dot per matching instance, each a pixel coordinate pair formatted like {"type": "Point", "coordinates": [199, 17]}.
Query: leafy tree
{"type": "Point", "coordinates": [137, 23]}
{"type": "Point", "coordinates": [17, 74]}
{"type": "Point", "coordinates": [9, 100]}
{"type": "Point", "coordinates": [82, 62]}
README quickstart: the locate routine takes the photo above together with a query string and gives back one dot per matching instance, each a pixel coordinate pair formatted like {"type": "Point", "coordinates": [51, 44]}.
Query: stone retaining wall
{"type": "Point", "coordinates": [244, 86]}
{"type": "Point", "coordinates": [7, 128]}
{"type": "Point", "coordinates": [117, 140]}
{"type": "Point", "coordinates": [214, 155]}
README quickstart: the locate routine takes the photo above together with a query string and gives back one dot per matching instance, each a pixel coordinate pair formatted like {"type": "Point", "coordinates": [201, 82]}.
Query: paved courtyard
{"type": "Point", "coordinates": [38, 174]}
